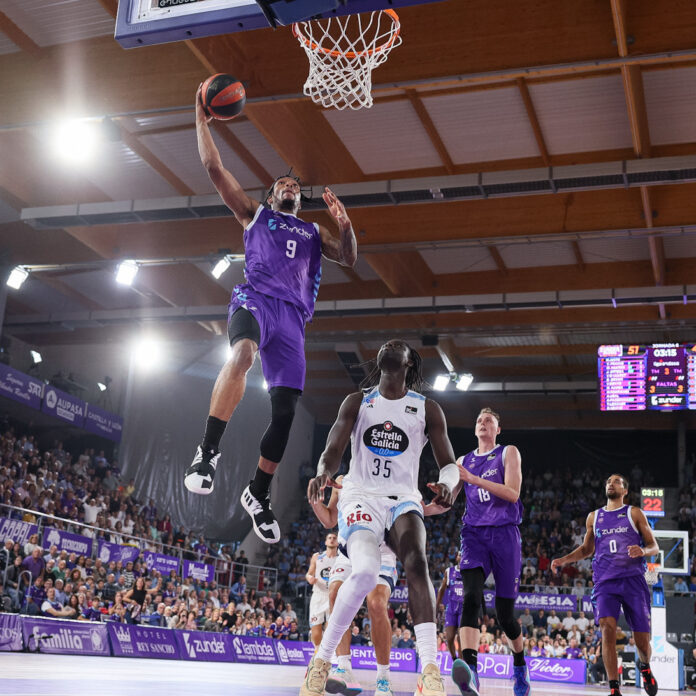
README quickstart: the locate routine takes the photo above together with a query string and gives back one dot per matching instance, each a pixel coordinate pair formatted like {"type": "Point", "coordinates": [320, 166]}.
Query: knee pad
{"type": "Point", "coordinates": [275, 439]}
{"type": "Point", "coordinates": [504, 608]}
{"type": "Point", "coordinates": [471, 608]}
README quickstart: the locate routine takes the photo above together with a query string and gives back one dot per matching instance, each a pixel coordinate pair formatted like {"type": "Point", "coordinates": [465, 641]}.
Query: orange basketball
{"type": "Point", "coordinates": [223, 96]}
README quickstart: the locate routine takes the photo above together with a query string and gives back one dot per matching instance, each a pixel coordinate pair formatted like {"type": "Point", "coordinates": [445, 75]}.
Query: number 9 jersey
{"type": "Point", "coordinates": [386, 443]}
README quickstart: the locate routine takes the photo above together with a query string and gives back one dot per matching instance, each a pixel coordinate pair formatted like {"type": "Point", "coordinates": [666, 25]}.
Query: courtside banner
{"type": "Point", "coordinates": [400, 594]}
{"type": "Point", "coordinates": [63, 637]}
{"type": "Point", "coordinates": [202, 645]}
{"type": "Point", "coordinates": [199, 571]}
{"type": "Point", "coordinates": [161, 562]}
{"type": "Point", "coordinates": [10, 633]}
{"type": "Point", "coordinates": [66, 541]}
{"type": "Point", "coordinates": [128, 640]}
{"type": "Point", "coordinates": [294, 652]}
{"type": "Point", "coordinates": [254, 650]}
{"type": "Point", "coordinates": [17, 530]}
{"type": "Point", "coordinates": [109, 551]}
{"type": "Point", "coordinates": [530, 600]}
{"type": "Point", "coordinates": [400, 660]}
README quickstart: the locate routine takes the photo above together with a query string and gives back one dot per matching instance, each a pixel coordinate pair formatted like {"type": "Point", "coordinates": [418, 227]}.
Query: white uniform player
{"type": "Point", "coordinates": [318, 576]}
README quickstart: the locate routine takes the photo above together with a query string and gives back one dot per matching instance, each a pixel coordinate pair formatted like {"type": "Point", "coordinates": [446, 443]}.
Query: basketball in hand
{"type": "Point", "coordinates": [223, 96]}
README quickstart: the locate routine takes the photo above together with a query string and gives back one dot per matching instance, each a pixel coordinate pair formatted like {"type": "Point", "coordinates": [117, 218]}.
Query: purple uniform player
{"type": "Point", "coordinates": [620, 538]}
{"type": "Point", "coordinates": [267, 315]}
{"type": "Point", "coordinates": [451, 595]}
{"type": "Point", "coordinates": [492, 477]}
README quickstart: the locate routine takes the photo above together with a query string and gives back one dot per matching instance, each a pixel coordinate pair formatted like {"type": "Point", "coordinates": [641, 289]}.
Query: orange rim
{"type": "Point", "coordinates": [297, 32]}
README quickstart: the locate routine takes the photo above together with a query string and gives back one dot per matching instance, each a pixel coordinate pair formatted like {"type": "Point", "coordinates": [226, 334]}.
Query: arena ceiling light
{"type": "Point", "coordinates": [17, 277]}
{"type": "Point", "coordinates": [147, 353]}
{"type": "Point", "coordinates": [221, 266]}
{"type": "Point", "coordinates": [102, 386]}
{"type": "Point", "coordinates": [35, 356]}
{"type": "Point", "coordinates": [75, 141]}
{"type": "Point", "coordinates": [464, 381]}
{"type": "Point", "coordinates": [126, 272]}
{"type": "Point", "coordinates": [441, 382]}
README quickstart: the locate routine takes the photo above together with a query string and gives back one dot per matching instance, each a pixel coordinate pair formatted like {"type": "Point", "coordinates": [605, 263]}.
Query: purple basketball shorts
{"type": "Point", "coordinates": [496, 549]}
{"type": "Point", "coordinates": [282, 325]}
{"type": "Point", "coordinates": [631, 594]}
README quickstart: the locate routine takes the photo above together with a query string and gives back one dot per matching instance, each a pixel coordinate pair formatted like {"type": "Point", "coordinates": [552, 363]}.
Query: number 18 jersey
{"type": "Point", "coordinates": [387, 440]}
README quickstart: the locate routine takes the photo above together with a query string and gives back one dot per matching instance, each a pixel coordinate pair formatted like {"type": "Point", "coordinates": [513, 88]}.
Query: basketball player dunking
{"type": "Point", "coordinates": [267, 315]}
{"type": "Point", "coordinates": [492, 478]}
{"type": "Point", "coordinates": [451, 593]}
{"type": "Point", "coordinates": [318, 577]}
{"type": "Point", "coordinates": [388, 425]}
{"type": "Point", "coordinates": [620, 538]}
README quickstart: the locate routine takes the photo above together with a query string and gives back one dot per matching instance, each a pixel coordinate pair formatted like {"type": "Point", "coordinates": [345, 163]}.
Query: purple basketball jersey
{"type": "Point", "coordinates": [283, 258]}
{"type": "Point", "coordinates": [483, 509]}
{"type": "Point", "coordinates": [614, 532]}
{"type": "Point", "coordinates": [454, 594]}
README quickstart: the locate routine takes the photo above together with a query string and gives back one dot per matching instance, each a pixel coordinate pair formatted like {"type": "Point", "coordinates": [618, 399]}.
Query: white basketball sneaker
{"type": "Point", "coordinates": [200, 475]}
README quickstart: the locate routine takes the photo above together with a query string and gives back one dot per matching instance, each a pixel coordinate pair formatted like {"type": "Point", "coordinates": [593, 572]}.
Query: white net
{"type": "Point", "coordinates": [651, 573]}
{"type": "Point", "coordinates": [343, 52]}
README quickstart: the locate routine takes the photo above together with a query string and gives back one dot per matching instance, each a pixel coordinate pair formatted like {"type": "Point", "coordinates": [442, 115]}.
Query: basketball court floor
{"type": "Point", "coordinates": [23, 674]}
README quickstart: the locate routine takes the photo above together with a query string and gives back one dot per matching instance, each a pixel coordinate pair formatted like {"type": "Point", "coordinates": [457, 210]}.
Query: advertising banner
{"type": "Point", "coordinates": [65, 406]}
{"type": "Point", "coordinates": [400, 660]}
{"type": "Point", "coordinates": [16, 530]}
{"type": "Point", "coordinates": [254, 650]}
{"type": "Point", "coordinates": [199, 571]}
{"type": "Point", "coordinates": [17, 386]}
{"type": "Point", "coordinates": [532, 601]}
{"type": "Point", "coordinates": [159, 561]}
{"type": "Point", "coordinates": [540, 668]}
{"type": "Point", "coordinates": [400, 594]}
{"type": "Point", "coordinates": [293, 652]}
{"type": "Point", "coordinates": [65, 541]}
{"type": "Point", "coordinates": [201, 645]}
{"type": "Point", "coordinates": [586, 604]}
{"type": "Point", "coordinates": [10, 633]}
{"type": "Point", "coordinates": [115, 552]}
{"type": "Point", "coordinates": [128, 640]}
{"type": "Point", "coordinates": [64, 637]}
{"type": "Point", "coordinates": [101, 422]}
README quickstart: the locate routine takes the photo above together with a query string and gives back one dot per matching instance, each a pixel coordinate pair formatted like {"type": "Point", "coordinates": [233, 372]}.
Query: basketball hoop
{"type": "Point", "coordinates": [651, 574]}
{"type": "Point", "coordinates": [343, 52]}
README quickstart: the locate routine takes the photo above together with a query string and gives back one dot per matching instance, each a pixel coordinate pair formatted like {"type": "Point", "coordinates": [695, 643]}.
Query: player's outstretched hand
{"type": "Point", "coordinates": [315, 489]}
{"type": "Point", "coordinates": [336, 208]}
{"type": "Point", "coordinates": [635, 551]}
{"type": "Point", "coordinates": [464, 475]}
{"type": "Point", "coordinates": [443, 495]}
{"type": "Point", "coordinates": [556, 565]}
{"type": "Point", "coordinates": [201, 114]}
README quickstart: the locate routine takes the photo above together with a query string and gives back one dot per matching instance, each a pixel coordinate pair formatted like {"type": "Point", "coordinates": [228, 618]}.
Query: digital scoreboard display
{"type": "Point", "coordinates": [655, 377]}
{"type": "Point", "coordinates": [652, 502]}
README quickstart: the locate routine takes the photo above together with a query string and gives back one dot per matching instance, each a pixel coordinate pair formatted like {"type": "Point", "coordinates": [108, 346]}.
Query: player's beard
{"type": "Point", "coordinates": [614, 495]}
{"type": "Point", "coordinates": [287, 205]}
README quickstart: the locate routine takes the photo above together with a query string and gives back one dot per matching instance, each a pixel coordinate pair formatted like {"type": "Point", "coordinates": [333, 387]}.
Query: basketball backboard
{"type": "Point", "coordinates": [149, 22]}
{"type": "Point", "coordinates": [673, 558]}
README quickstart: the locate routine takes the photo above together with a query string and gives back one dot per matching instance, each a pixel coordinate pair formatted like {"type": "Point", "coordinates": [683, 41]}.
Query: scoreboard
{"type": "Point", "coordinates": [654, 377]}
{"type": "Point", "coordinates": [652, 502]}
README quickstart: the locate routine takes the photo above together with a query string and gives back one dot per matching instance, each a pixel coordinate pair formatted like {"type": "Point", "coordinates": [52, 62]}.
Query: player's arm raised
{"type": "Point", "coordinates": [436, 425]}
{"type": "Point", "coordinates": [585, 549]}
{"type": "Point", "coordinates": [510, 490]}
{"type": "Point", "coordinates": [328, 514]}
{"type": "Point", "coordinates": [227, 186]}
{"type": "Point", "coordinates": [311, 573]}
{"type": "Point", "coordinates": [336, 444]}
{"type": "Point", "coordinates": [345, 249]}
{"type": "Point", "coordinates": [650, 547]}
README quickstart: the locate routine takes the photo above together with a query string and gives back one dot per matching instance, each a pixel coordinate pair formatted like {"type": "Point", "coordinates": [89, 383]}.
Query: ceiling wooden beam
{"type": "Point", "coordinates": [63, 288]}
{"type": "Point", "coordinates": [497, 257]}
{"type": "Point", "coordinates": [18, 37]}
{"type": "Point", "coordinates": [238, 147]}
{"type": "Point", "coordinates": [533, 120]}
{"type": "Point", "coordinates": [111, 6]}
{"type": "Point", "coordinates": [430, 129]}
{"type": "Point", "coordinates": [406, 274]}
{"type": "Point", "coordinates": [577, 251]}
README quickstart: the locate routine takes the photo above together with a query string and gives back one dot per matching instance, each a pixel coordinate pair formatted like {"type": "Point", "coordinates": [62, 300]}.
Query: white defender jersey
{"type": "Point", "coordinates": [325, 564]}
{"type": "Point", "coordinates": [386, 443]}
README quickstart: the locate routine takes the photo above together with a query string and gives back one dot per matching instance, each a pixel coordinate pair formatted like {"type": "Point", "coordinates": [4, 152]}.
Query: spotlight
{"type": "Point", "coordinates": [17, 277]}
{"type": "Point", "coordinates": [126, 272]}
{"type": "Point", "coordinates": [441, 382]}
{"type": "Point", "coordinates": [75, 141]}
{"type": "Point", "coordinates": [147, 353]}
{"type": "Point", "coordinates": [220, 267]}
{"type": "Point", "coordinates": [102, 386]}
{"type": "Point", "coordinates": [464, 381]}
{"type": "Point", "coordinates": [35, 356]}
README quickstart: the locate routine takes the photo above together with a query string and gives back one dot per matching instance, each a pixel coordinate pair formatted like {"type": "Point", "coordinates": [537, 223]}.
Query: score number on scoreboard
{"type": "Point", "coordinates": [652, 502]}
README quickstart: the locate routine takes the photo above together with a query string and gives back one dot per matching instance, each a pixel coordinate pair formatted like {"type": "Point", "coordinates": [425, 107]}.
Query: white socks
{"type": "Point", "coordinates": [426, 643]}
{"type": "Point", "coordinates": [383, 672]}
{"type": "Point", "coordinates": [363, 551]}
{"type": "Point", "coordinates": [344, 662]}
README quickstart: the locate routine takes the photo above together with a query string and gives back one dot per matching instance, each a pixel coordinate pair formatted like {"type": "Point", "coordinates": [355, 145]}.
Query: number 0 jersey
{"type": "Point", "coordinates": [483, 509]}
{"type": "Point", "coordinates": [387, 440]}
{"type": "Point", "coordinates": [614, 532]}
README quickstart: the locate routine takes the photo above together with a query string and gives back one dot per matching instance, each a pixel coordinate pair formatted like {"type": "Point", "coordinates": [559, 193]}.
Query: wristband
{"type": "Point", "coordinates": [449, 476]}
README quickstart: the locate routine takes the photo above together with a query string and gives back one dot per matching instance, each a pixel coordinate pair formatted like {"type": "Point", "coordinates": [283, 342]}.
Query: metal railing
{"type": "Point", "coordinates": [258, 577]}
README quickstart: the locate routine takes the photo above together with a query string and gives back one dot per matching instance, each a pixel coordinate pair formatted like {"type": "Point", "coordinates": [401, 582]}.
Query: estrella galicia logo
{"type": "Point", "coordinates": [385, 439]}
{"type": "Point", "coordinates": [272, 224]}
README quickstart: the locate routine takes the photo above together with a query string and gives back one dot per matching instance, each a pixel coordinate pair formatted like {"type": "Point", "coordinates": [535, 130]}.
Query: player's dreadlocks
{"type": "Point", "coordinates": [414, 374]}
{"type": "Point", "coordinates": [305, 191]}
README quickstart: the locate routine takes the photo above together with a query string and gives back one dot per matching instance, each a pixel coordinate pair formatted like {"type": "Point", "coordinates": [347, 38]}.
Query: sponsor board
{"type": "Point", "coordinates": [292, 652]}
{"type": "Point", "coordinates": [101, 422]}
{"type": "Point", "coordinates": [199, 571]}
{"type": "Point", "coordinates": [400, 659]}
{"type": "Point", "coordinates": [17, 530]}
{"type": "Point", "coordinates": [65, 541]}
{"type": "Point", "coordinates": [64, 406]}
{"type": "Point", "coordinates": [161, 562]}
{"type": "Point", "coordinates": [63, 637]}
{"type": "Point", "coordinates": [10, 633]}
{"type": "Point", "coordinates": [128, 640]}
{"type": "Point", "coordinates": [19, 387]}
{"type": "Point", "coordinates": [202, 645]}
{"type": "Point", "coordinates": [254, 650]}
{"type": "Point", "coordinates": [116, 552]}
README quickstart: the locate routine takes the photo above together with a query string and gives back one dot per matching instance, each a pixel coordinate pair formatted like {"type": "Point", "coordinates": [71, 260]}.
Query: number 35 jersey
{"type": "Point", "coordinates": [483, 509]}
{"type": "Point", "coordinates": [387, 440]}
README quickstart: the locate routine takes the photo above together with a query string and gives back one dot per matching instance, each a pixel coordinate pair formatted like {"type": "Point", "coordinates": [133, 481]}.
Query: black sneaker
{"type": "Point", "coordinates": [199, 476]}
{"type": "Point", "coordinates": [649, 681]}
{"type": "Point", "coordinates": [265, 524]}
